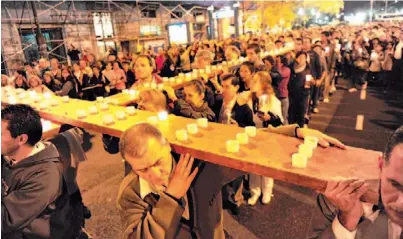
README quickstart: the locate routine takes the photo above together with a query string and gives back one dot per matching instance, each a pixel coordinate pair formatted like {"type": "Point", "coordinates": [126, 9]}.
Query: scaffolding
{"type": "Point", "coordinates": [65, 12]}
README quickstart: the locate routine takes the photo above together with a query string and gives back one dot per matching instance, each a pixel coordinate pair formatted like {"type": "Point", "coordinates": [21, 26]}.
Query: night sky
{"type": "Point", "coordinates": [354, 6]}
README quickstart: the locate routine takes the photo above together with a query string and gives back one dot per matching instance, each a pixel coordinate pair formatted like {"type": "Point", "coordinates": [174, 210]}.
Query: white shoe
{"type": "Point", "coordinates": [351, 90]}
{"type": "Point", "coordinates": [326, 100]}
{"type": "Point", "coordinates": [333, 89]}
{"type": "Point", "coordinates": [267, 198]}
{"type": "Point", "coordinates": [252, 201]}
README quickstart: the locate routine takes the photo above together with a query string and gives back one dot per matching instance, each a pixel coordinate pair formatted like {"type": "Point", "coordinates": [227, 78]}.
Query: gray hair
{"type": "Point", "coordinates": [133, 141]}
{"type": "Point", "coordinates": [206, 55]}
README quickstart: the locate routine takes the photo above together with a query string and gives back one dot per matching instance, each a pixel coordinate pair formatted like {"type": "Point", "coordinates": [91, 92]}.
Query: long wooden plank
{"type": "Point", "coordinates": [267, 154]}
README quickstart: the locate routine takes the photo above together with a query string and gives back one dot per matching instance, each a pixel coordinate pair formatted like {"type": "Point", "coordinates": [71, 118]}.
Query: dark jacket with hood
{"type": "Point", "coordinates": [31, 201]}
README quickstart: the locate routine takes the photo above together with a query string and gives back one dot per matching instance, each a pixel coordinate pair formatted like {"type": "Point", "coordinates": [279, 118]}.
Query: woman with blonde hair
{"type": "Point", "coordinates": [35, 84]}
{"type": "Point", "coordinates": [266, 110]}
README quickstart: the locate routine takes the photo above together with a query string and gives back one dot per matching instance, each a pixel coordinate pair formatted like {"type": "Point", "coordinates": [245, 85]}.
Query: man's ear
{"type": "Point", "coordinates": [380, 162]}
{"type": "Point", "coordinates": [23, 138]}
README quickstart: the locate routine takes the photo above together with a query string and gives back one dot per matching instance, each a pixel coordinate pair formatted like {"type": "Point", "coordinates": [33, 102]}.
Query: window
{"type": "Point", "coordinates": [178, 14]}
{"type": "Point", "coordinates": [103, 25]}
{"type": "Point", "coordinates": [149, 13]}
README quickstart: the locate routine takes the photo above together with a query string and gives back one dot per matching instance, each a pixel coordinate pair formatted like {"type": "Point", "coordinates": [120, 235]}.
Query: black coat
{"type": "Point", "coordinates": [242, 114]}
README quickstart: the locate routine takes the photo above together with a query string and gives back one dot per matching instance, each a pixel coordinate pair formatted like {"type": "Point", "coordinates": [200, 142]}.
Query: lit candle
{"type": "Point", "coordinates": [132, 93]}
{"type": "Point", "coordinates": [100, 99]}
{"type": "Point", "coordinates": [228, 117]}
{"type": "Point", "coordinates": [120, 115]}
{"type": "Point", "coordinates": [163, 115]}
{"type": "Point", "coordinates": [263, 102]}
{"type": "Point", "coordinates": [182, 75]}
{"type": "Point", "coordinates": [242, 138]}
{"type": "Point", "coordinates": [152, 120]}
{"type": "Point", "coordinates": [250, 131]}
{"type": "Point", "coordinates": [194, 75]}
{"type": "Point", "coordinates": [130, 110]}
{"type": "Point", "coordinates": [308, 78]}
{"type": "Point", "coordinates": [160, 87]}
{"type": "Point", "coordinates": [54, 103]}
{"type": "Point", "coordinates": [242, 59]}
{"type": "Point", "coordinates": [312, 141]}
{"type": "Point", "coordinates": [299, 160]}
{"type": "Point", "coordinates": [202, 122]}
{"type": "Point", "coordinates": [154, 85]}
{"type": "Point", "coordinates": [327, 49]}
{"type": "Point", "coordinates": [172, 80]}
{"type": "Point", "coordinates": [188, 76]}
{"type": "Point", "coordinates": [107, 119]}
{"type": "Point", "coordinates": [178, 80]}
{"type": "Point", "coordinates": [81, 114]}
{"type": "Point", "coordinates": [305, 150]}
{"type": "Point", "coordinates": [125, 91]}
{"type": "Point", "coordinates": [37, 98]}
{"type": "Point", "coordinates": [114, 101]}
{"type": "Point", "coordinates": [181, 135]}
{"type": "Point", "coordinates": [165, 79]}
{"type": "Point", "coordinates": [19, 90]}
{"type": "Point", "coordinates": [147, 85]}
{"type": "Point", "coordinates": [214, 68]}
{"type": "Point", "coordinates": [224, 63]}
{"type": "Point", "coordinates": [374, 56]}
{"type": "Point", "coordinates": [93, 110]}
{"type": "Point", "coordinates": [12, 100]}
{"type": "Point", "coordinates": [104, 106]}
{"type": "Point", "coordinates": [192, 128]}
{"type": "Point", "coordinates": [32, 93]}
{"type": "Point", "coordinates": [201, 71]}
{"type": "Point", "coordinates": [232, 146]}
{"type": "Point", "coordinates": [22, 95]}
{"type": "Point", "coordinates": [208, 70]}
{"type": "Point", "coordinates": [47, 95]}
{"type": "Point", "coordinates": [46, 125]}
{"type": "Point", "coordinates": [360, 50]}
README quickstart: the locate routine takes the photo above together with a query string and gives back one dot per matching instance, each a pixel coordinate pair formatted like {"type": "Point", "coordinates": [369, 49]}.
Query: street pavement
{"type": "Point", "coordinates": [290, 211]}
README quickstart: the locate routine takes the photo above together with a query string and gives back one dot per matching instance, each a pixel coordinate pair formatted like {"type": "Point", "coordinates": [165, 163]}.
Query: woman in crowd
{"type": "Point", "coordinates": [185, 59]}
{"type": "Point", "coordinates": [299, 90]}
{"type": "Point", "coordinates": [168, 67]}
{"type": "Point", "coordinates": [99, 80]}
{"type": "Point", "coordinates": [50, 83]}
{"type": "Point", "coordinates": [120, 74]}
{"type": "Point", "coordinates": [83, 81]}
{"type": "Point", "coordinates": [160, 59]}
{"type": "Point", "coordinates": [70, 84]}
{"type": "Point", "coordinates": [193, 105]}
{"type": "Point", "coordinates": [285, 73]}
{"type": "Point", "coordinates": [246, 72]}
{"type": "Point", "coordinates": [55, 70]}
{"type": "Point", "coordinates": [20, 82]}
{"type": "Point", "coordinates": [109, 76]}
{"type": "Point", "coordinates": [35, 84]}
{"type": "Point", "coordinates": [360, 59]}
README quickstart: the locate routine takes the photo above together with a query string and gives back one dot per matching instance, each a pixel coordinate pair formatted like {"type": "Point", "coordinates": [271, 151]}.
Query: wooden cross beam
{"type": "Point", "coordinates": [267, 154]}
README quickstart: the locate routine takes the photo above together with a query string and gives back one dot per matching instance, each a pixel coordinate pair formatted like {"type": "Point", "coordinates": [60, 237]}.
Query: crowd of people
{"type": "Point", "coordinates": [274, 92]}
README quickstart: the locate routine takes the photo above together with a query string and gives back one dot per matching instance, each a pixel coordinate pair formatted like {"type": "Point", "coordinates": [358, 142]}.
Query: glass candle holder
{"type": "Point", "coordinates": [100, 99]}
{"type": "Point", "coordinates": [163, 115]}
{"type": "Point", "coordinates": [242, 138]}
{"type": "Point", "coordinates": [232, 146]}
{"type": "Point", "coordinates": [192, 128]}
{"type": "Point", "coordinates": [299, 160]}
{"type": "Point", "coordinates": [66, 99]}
{"type": "Point", "coordinates": [104, 106]}
{"type": "Point", "coordinates": [107, 119]}
{"type": "Point", "coordinates": [120, 115]}
{"type": "Point", "coordinates": [202, 122]}
{"type": "Point", "coordinates": [250, 131]}
{"type": "Point", "coordinates": [152, 120]}
{"type": "Point", "coordinates": [312, 141]}
{"type": "Point", "coordinates": [93, 110]}
{"type": "Point", "coordinates": [181, 135]}
{"type": "Point", "coordinates": [305, 150]}
{"type": "Point", "coordinates": [81, 114]}
{"type": "Point", "coordinates": [130, 110]}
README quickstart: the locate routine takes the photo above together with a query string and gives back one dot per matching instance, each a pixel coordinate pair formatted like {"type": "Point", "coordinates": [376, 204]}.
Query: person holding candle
{"type": "Point", "coordinates": [242, 116]}
{"type": "Point", "coordinates": [299, 90]}
{"type": "Point", "coordinates": [341, 214]}
{"type": "Point", "coordinates": [193, 105]}
{"type": "Point", "coordinates": [376, 57]}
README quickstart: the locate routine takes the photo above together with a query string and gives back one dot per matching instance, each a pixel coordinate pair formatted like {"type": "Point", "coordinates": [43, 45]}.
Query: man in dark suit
{"type": "Point", "coordinates": [341, 214]}
{"type": "Point", "coordinates": [230, 112]}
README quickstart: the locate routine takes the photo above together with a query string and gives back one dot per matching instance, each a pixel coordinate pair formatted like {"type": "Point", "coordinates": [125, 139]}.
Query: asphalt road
{"type": "Point", "coordinates": [290, 211]}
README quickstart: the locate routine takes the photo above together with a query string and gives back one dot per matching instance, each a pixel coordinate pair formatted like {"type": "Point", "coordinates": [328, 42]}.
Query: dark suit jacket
{"type": "Point", "coordinates": [325, 213]}
{"type": "Point", "coordinates": [243, 114]}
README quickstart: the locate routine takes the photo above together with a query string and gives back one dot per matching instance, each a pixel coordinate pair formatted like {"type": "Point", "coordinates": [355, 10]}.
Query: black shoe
{"type": "Point", "coordinates": [235, 210]}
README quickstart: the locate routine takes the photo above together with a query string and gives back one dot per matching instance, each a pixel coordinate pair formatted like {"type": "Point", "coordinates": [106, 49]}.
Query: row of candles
{"type": "Point", "coordinates": [305, 152]}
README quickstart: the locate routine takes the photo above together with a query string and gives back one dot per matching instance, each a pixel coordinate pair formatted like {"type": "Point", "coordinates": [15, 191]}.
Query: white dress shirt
{"type": "Point", "coordinates": [341, 232]}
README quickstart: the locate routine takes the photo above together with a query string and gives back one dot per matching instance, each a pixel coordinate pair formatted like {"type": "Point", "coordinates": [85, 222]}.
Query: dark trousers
{"type": "Point", "coordinates": [315, 92]}
{"type": "Point", "coordinates": [232, 192]}
{"type": "Point", "coordinates": [358, 77]}
{"type": "Point", "coordinates": [386, 78]}
{"type": "Point", "coordinates": [374, 77]}
{"type": "Point", "coordinates": [298, 108]}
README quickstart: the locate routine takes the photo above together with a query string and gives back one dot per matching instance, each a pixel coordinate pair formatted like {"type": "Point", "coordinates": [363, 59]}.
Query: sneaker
{"type": "Point", "coordinates": [267, 198]}
{"type": "Point", "coordinates": [351, 90]}
{"type": "Point", "coordinates": [235, 210]}
{"type": "Point", "coordinates": [315, 110]}
{"type": "Point", "coordinates": [326, 100]}
{"type": "Point", "coordinates": [252, 201]}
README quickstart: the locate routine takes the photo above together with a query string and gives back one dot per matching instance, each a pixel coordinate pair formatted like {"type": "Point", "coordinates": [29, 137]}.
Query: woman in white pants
{"type": "Point", "coordinates": [267, 112]}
